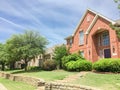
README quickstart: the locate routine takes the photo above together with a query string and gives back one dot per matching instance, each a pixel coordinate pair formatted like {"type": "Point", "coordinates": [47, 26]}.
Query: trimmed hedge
{"type": "Point", "coordinates": [83, 65]}
{"type": "Point", "coordinates": [69, 58]}
{"type": "Point", "coordinates": [79, 65]}
{"type": "Point", "coordinates": [107, 65]}
{"type": "Point", "coordinates": [70, 66]}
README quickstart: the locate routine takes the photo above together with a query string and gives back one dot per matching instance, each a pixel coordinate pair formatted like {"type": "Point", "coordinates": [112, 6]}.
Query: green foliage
{"type": "Point", "coordinates": [3, 56]}
{"type": "Point", "coordinates": [76, 62]}
{"type": "Point", "coordinates": [72, 57]}
{"type": "Point", "coordinates": [83, 65]}
{"type": "Point", "coordinates": [116, 28]}
{"type": "Point", "coordinates": [59, 53]}
{"type": "Point", "coordinates": [107, 65]}
{"type": "Point", "coordinates": [79, 65]}
{"type": "Point", "coordinates": [33, 68]}
{"type": "Point", "coordinates": [70, 66]}
{"type": "Point", "coordinates": [118, 2]}
{"type": "Point", "coordinates": [49, 65]}
{"type": "Point", "coordinates": [26, 46]}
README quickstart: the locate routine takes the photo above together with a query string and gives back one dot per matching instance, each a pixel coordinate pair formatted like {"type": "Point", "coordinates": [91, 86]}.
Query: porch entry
{"type": "Point", "coordinates": [107, 53]}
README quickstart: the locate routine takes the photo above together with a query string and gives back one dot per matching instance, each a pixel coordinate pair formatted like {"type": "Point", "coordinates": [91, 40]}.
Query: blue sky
{"type": "Point", "coordinates": [54, 19]}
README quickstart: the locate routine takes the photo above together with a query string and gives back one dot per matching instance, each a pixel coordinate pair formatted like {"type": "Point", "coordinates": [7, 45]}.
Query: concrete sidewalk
{"type": "Point", "coordinates": [2, 87]}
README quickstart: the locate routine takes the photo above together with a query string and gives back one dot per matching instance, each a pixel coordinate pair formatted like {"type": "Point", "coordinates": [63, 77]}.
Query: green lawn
{"type": "Point", "coordinates": [46, 75]}
{"type": "Point", "coordinates": [102, 81]}
{"type": "Point", "coordinates": [13, 85]}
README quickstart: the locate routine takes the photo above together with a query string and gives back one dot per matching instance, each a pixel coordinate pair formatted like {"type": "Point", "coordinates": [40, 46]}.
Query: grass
{"type": "Point", "coordinates": [13, 85]}
{"type": "Point", "coordinates": [102, 81]}
{"type": "Point", "coordinates": [46, 75]}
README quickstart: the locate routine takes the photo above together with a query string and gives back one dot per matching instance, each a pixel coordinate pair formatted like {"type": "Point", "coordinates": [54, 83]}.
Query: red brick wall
{"type": "Point", "coordinates": [90, 51]}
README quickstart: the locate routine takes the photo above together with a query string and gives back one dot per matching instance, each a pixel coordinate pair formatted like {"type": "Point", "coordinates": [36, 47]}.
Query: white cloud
{"type": "Point", "coordinates": [55, 19]}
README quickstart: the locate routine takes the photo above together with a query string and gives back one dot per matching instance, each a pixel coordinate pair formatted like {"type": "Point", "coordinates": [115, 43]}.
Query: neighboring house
{"type": "Point", "coordinates": [48, 55]}
{"type": "Point", "coordinates": [94, 38]}
{"type": "Point", "coordinates": [37, 61]}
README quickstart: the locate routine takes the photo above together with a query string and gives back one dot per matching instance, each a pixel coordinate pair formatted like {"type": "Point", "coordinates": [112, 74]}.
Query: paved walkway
{"type": "Point", "coordinates": [2, 87]}
{"type": "Point", "coordinates": [72, 78]}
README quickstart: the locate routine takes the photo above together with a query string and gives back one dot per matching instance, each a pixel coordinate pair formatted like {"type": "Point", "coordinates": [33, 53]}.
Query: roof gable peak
{"type": "Point", "coordinates": [95, 18]}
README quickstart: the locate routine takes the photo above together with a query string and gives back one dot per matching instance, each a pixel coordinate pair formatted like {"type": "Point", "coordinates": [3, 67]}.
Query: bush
{"type": "Point", "coordinates": [49, 65]}
{"type": "Point", "coordinates": [107, 65]}
{"type": "Point", "coordinates": [33, 68]}
{"type": "Point", "coordinates": [70, 66]}
{"type": "Point", "coordinates": [79, 65]}
{"type": "Point", "coordinates": [72, 57]}
{"type": "Point", "coordinates": [102, 65]}
{"type": "Point", "coordinates": [83, 65]}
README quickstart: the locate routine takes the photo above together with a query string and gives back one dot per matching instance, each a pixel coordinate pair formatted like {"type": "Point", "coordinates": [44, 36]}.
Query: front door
{"type": "Point", "coordinates": [107, 53]}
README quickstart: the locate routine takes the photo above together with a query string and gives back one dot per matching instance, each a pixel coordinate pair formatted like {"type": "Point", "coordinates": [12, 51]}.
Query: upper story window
{"type": "Point", "coordinates": [71, 41]}
{"type": "Point", "coordinates": [105, 39]}
{"type": "Point", "coordinates": [81, 38]}
{"type": "Point", "coordinates": [88, 18]}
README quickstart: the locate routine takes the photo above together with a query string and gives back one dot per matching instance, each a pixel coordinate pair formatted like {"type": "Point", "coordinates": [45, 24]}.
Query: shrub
{"type": "Point", "coordinates": [114, 65]}
{"type": "Point", "coordinates": [83, 65]}
{"type": "Point", "coordinates": [107, 65]}
{"type": "Point", "coordinates": [79, 65]}
{"type": "Point", "coordinates": [102, 65]}
{"type": "Point", "coordinates": [72, 57]}
{"type": "Point", "coordinates": [49, 65]}
{"type": "Point", "coordinates": [70, 66]}
{"type": "Point", "coordinates": [33, 68]}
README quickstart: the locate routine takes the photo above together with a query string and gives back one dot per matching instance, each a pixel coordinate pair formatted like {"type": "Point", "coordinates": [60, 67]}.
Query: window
{"type": "Point", "coordinates": [82, 53]}
{"type": "Point", "coordinates": [105, 39]}
{"type": "Point", "coordinates": [81, 37]}
{"type": "Point", "coordinates": [71, 42]}
{"type": "Point", "coordinates": [99, 40]}
{"type": "Point", "coordinates": [88, 18]}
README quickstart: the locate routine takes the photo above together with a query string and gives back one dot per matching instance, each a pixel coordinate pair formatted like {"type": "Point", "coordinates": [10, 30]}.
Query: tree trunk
{"type": "Point", "coordinates": [12, 65]}
{"type": "Point", "coordinates": [60, 64]}
{"type": "Point", "coordinates": [26, 64]}
{"type": "Point", "coordinates": [3, 66]}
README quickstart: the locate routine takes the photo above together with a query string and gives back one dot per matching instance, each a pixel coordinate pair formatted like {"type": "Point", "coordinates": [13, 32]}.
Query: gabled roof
{"type": "Point", "coordinates": [69, 37]}
{"type": "Point", "coordinates": [93, 22]}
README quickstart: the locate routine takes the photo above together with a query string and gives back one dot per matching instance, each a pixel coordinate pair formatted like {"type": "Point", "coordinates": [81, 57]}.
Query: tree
{"type": "Point", "coordinates": [26, 46]}
{"type": "Point", "coordinates": [118, 2]}
{"type": "Point", "coordinates": [59, 53]}
{"type": "Point", "coordinates": [12, 51]}
{"type": "Point", "coordinates": [116, 26]}
{"type": "Point", "coordinates": [3, 56]}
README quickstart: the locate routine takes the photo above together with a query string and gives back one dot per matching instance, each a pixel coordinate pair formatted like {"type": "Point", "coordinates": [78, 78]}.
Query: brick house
{"type": "Point", "coordinates": [94, 38]}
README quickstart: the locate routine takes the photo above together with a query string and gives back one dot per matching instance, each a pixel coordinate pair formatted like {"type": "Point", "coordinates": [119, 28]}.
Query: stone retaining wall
{"type": "Point", "coordinates": [48, 85]}
{"type": "Point", "coordinates": [26, 79]}
{"type": "Point", "coordinates": [61, 86]}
